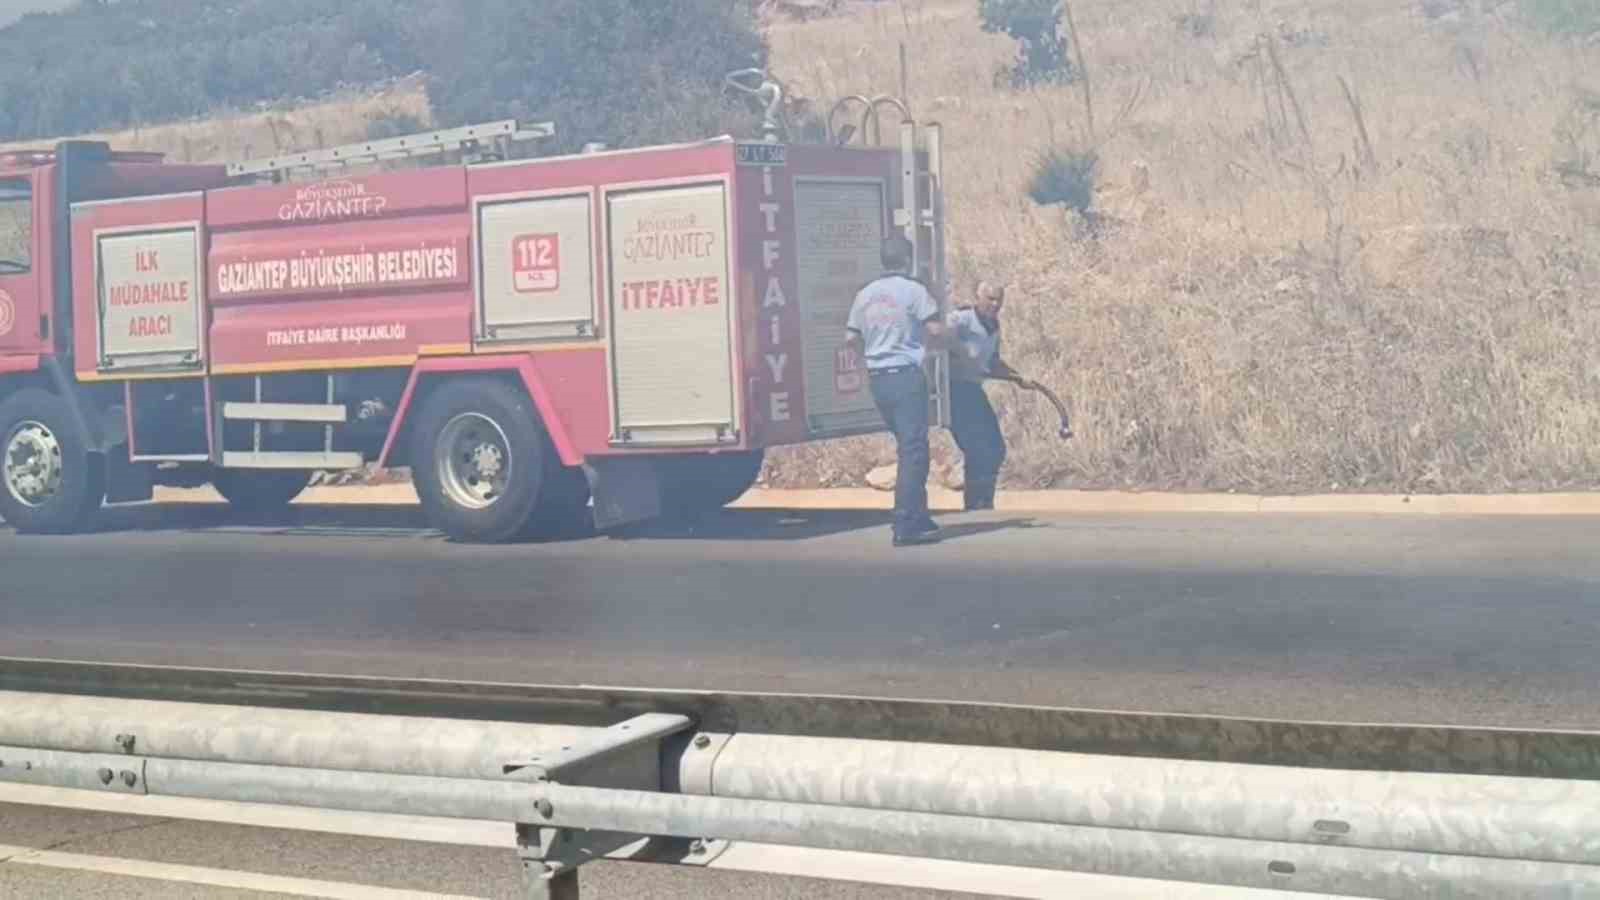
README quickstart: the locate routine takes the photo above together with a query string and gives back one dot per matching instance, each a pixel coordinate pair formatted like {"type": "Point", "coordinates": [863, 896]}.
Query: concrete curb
{"type": "Point", "coordinates": [1565, 504]}
{"type": "Point", "coordinates": [1084, 502]}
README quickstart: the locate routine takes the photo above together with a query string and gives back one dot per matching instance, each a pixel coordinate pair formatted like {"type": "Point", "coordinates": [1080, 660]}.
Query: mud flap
{"type": "Point", "coordinates": [126, 481]}
{"type": "Point", "coordinates": [625, 490]}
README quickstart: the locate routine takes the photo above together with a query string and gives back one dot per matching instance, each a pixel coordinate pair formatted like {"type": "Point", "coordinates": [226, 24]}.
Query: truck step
{"type": "Point", "coordinates": [329, 413]}
{"type": "Point", "coordinates": [287, 459]}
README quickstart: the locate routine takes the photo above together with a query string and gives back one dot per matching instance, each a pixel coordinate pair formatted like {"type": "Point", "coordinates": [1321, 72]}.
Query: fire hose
{"type": "Point", "coordinates": [1065, 431]}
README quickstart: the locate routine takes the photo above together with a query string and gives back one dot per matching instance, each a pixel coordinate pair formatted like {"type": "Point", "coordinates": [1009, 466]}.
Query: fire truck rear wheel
{"type": "Point", "coordinates": [260, 490]}
{"type": "Point", "coordinates": [50, 482]}
{"type": "Point", "coordinates": [478, 459]}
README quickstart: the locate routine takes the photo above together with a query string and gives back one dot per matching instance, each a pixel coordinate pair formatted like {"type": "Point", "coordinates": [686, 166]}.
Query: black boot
{"type": "Point", "coordinates": [978, 495]}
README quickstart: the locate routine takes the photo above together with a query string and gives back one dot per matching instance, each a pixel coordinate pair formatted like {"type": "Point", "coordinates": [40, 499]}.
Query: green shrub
{"type": "Point", "coordinates": [618, 72]}
{"type": "Point", "coordinates": [1065, 178]}
{"type": "Point", "coordinates": [1042, 52]}
{"type": "Point", "coordinates": [1570, 18]}
{"type": "Point", "coordinates": [394, 124]}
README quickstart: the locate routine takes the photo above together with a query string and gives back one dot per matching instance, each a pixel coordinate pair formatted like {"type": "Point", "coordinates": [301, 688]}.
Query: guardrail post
{"type": "Point", "coordinates": [547, 879]}
{"type": "Point", "coordinates": [628, 753]}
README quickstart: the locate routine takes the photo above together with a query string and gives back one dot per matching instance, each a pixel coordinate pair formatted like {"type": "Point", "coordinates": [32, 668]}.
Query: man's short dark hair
{"type": "Point", "coordinates": [896, 253]}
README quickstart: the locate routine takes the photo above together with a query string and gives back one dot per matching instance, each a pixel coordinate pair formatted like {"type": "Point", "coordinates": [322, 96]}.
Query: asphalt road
{"type": "Point", "coordinates": [1447, 620]}
{"type": "Point", "coordinates": [1441, 620]}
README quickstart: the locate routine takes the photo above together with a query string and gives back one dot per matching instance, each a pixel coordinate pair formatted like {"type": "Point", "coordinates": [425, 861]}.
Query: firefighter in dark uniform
{"type": "Point", "coordinates": [975, 334]}
{"type": "Point", "coordinates": [892, 322]}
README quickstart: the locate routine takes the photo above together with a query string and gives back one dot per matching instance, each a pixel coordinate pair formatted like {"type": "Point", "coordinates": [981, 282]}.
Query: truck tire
{"type": "Point", "coordinates": [694, 485]}
{"type": "Point", "coordinates": [50, 482]}
{"type": "Point", "coordinates": [478, 459]}
{"type": "Point", "coordinates": [260, 490]}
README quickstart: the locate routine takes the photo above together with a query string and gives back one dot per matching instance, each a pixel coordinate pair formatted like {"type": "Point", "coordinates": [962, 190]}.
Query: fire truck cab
{"type": "Point", "coordinates": [609, 336]}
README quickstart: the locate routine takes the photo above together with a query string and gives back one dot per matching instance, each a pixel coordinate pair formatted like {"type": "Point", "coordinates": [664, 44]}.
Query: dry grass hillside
{"type": "Point", "coordinates": [1370, 265]}
{"type": "Point", "coordinates": [11, 10]}
{"type": "Point", "coordinates": [265, 132]}
{"type": "Point", "coordinates": [1373, 265]}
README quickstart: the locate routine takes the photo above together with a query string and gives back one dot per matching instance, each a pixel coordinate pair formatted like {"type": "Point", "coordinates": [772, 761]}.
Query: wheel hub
{"type": "Point", "coordinates": [32, 465]}
{"type": "Point", "coordinates": [487, 459]}
{"type": "Point", "coordinates": [473, 461]}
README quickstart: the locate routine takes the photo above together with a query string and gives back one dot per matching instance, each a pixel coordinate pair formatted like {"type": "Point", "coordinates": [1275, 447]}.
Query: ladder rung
{"type": "Point", "coordinates": [285, 412]}
{"type": "Point", "coordinates": [290, 459]}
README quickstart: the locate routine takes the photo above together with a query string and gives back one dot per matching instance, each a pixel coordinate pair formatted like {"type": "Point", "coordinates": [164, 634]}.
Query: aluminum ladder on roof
{"type": "Point", "coordinates": [487, 140]}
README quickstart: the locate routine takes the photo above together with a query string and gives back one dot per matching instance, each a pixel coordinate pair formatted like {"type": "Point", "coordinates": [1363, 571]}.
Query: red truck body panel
{"type": "Point", "coordinates": [308, 276]}
{"type": "Point", "coordinates": [19, 363]}
{"type": "Point", "coordinates": [773, 337]}
{"type": "Point", "coordinates": [130, 216]}
{"type": "Point", "coordinates": [28, 327]}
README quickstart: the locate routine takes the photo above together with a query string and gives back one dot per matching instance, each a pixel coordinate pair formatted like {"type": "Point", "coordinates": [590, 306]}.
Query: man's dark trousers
{"type": "Point", "coordinates": [902, 397]}
{"type": "Point", "coordinates": [983, 448]}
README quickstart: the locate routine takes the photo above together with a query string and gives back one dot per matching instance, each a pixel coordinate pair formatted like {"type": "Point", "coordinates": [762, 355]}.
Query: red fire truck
{"type": "Point", "coordinates": [615, 334]}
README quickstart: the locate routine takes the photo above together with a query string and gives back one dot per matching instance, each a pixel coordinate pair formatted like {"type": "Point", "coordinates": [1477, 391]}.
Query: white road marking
{"type": "Point", "coordinates": [839, 865]}
{"type": "Point", "coordinates": [288, 818]}
{"type": "Point", "coordinates": [979, 878]}
{"type": "Point", "coordinates": [249, 881]}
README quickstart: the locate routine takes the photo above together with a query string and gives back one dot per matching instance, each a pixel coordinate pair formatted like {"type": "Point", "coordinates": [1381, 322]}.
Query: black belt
{"type": "Point", "coordinates": [893, 370]}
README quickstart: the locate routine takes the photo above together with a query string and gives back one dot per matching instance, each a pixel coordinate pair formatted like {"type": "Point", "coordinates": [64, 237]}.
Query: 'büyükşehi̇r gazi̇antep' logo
{"type": "Point", "coordinates": [331, 200]}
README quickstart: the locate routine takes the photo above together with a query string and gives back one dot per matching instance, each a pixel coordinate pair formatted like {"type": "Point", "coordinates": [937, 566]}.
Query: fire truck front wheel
{"type": "Point", "coordinates": [50, 482]}
{"type": "Point", "coordinates": [478, 459]}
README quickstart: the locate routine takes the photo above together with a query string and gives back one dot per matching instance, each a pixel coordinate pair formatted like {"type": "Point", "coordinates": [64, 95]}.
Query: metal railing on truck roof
{"type": "Point", "coordinates": [491, 139]}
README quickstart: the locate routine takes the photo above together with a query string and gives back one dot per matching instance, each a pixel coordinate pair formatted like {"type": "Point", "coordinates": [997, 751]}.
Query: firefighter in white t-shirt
{"type": "Point", "coordinates": [892, 323]}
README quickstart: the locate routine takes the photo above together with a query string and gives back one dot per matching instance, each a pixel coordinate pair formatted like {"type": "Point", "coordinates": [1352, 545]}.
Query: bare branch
{"type": "Point", "coordinates": [1083, 66]}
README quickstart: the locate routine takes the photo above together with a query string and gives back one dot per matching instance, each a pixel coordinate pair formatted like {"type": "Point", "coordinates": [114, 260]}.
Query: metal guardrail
{"type": "Point", "coordinates": [583, 773]}
{"type": "Point", "coordinates": [1415, 748]}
